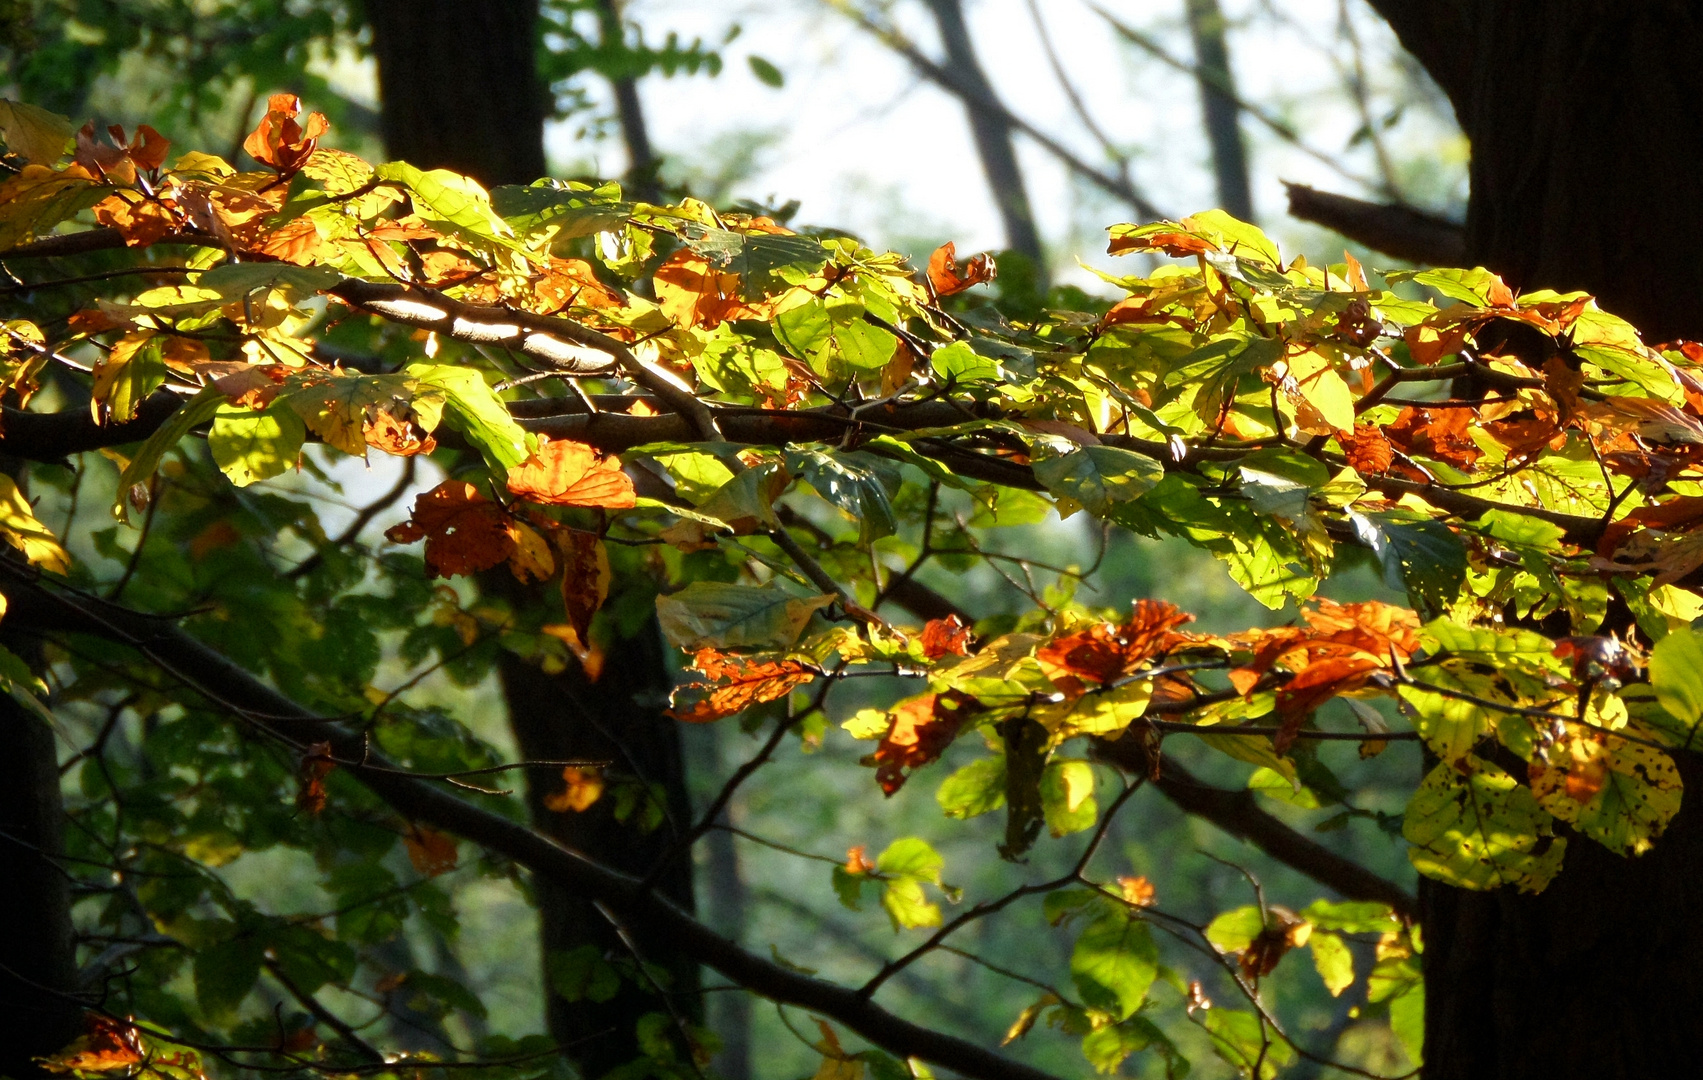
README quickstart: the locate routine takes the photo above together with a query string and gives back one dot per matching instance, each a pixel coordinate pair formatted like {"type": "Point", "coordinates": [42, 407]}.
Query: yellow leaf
{"type": "Point", "coordinates": [19, 526]}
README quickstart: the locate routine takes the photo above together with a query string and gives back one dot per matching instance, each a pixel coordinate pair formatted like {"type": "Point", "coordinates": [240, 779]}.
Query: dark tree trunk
{"type": "Point", "coordinates": [642, 164]}
{"type": "Point", "coordinates": [617, 718]}
{"type": "Point", "coordinates": [1219, 110]}
{"type": "Point", "coordinates": [1587, 173]}
{"type": "Point", "coordinates": [992, 134]}
{"type": "Point", "coordinates": [459, 83]}
{"type": "Point", "coordinates": [37, 958]}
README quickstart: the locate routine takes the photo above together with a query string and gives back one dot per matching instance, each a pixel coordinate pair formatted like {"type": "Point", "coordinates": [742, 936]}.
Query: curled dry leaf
{"type": "Point", "coordinates": [315, 765]}
{"type": "Point", "coordinates": [464, 531]}
{"type": "Point", "coordinates": [1367, 450]}
{"type": "Point", "coordinates": [732, 684]}
{"type": "Point", "coordinates": [281, 143]}
{"type": "Point", "coordinates": [946, 637]}
{"type": "Point", "coordinates": [947, 277]}
{"type": "Point", "coordinates": [1105, 652]}
{"type": "Point", "coordinates": [568, 473]}
{"type": "Point", "coordinates": [106, 1045]}
{"type": "Point", "coordinates": [585, 583]}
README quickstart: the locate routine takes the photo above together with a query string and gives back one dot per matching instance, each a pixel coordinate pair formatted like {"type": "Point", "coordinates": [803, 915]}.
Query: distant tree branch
{"type": "Point", "coordinates": [36, 607]}
{"type": "Point", "coordinates": [1398, 231]}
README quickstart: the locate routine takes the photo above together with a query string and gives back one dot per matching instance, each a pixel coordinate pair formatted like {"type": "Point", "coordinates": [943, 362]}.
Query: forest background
{"type": "Point", "coordinates": [1144, 110]}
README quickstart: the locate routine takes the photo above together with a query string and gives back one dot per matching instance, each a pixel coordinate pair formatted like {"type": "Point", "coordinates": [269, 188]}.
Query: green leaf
{"type": "Point", "coordinates": [1241, 1040]}
{"type": "Point", "coordinates": [860, 484]}
{"type": "Point", "coordinates": [582, 975]}
{"type": "Point", "coordinates": [832, 335]}
{"type": "Point", "coordinates": [35, 134]}
{"type": "Point", "coordinates": [234, 281]}
{"type": "Point", "coordinates": [1639, 792]}
{"type": "Point", "coordinates": [476, 411]}
{"type": "Point", "coordinates": [1114, 961]}
{"type": "Point", "coordinates": [249, 446]}
{"type": "Point", "coordinates": [959, 363]}
{"type": "Point", "coordinates": [1351, 916]}
{"type": "Point", "coordinates": [1275, 785]}
{"type": "Point", "coordinates": [1098, 476]}
{"type": "Point", "coordinates": [712, 614]}
{"type": "Point", "coordinates": [907, 864]}
{"type": "Point", "coordinates": [977, 788]}
{"type": "Point", "coordinates": [767, 73]}
{"type": "Point", "coordinates": [1108, 1047]}
{"type": "Point", "coordinates": [572, 208]}
{"type": "Point", "coordinates": [1407, 1021]}
{"type": "Point", "coordinates": [451, 203]}
{"type": "Point", "coordinates": [336, 406]}
{"type": "Point", "coordinates": [1067, 797]}
{"type": "Point", "coordinates": [1234, 931]}
{"type": "Point", "coordinates": [1332, 960]}
{"type": "Point", "coordinates": [197, 410]}
{"type": "Point", "coordinates": [1424, 557]}
{"type": "Point", "coordinates": [1472, 826]}
{"type": "Point", "coordinates": [225, 972]}
{"type": "Point", "coordinates": [1676, 674]}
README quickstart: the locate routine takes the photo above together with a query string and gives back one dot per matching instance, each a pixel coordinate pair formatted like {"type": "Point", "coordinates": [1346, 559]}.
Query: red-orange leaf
{"type": "Point", "coordinates": [431, 852]}
{"type": "Point", "coordinates": [1106, 652]}
{"type": "Point", "coordinates": [567, 473]}
{"type": "Point", "coordinates": [1368, 451]}
{"type": "Point", "coordinates": [733, 684]}
{"type": "Point", "coordinates": [464, 531]}
{"type": "Point", "coordinates": [945, 637]}
{"type": "Point", "coordinates": [105, 1046]}
{"type": "Point", "coordinates": [1444, 434]}
{"type": "Point", "coordinates": [316, 763]}
{"type": "Point", "coordinates": [919, 731]}
{"type": "Point", "coordinates": [278, 141]}
{"type": "Point", "coordinates": [585, 584]}
{"type": "Point", "coordinates": [948, 277]}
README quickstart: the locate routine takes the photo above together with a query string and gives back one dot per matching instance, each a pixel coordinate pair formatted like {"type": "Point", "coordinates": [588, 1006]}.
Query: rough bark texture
{"type": "Point", "coordinates": [37, 960]}
{"type": "Point", "coordinates": [617, 718]}
{"type": "Point", "coordinates": [1219, 111]}
{"type": "Point", "coordinates": [1587, 173]}
{"type": "Point", "coordinates": [992, 133]}
{"type": "Point", "coordinates": [460, 86]}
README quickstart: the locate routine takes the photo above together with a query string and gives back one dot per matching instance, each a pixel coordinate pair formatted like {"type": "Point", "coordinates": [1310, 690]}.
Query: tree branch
{"type": "Point", "coordinates": [1398, 231]}
{"type": "Point", "coordinates": [33, 606]}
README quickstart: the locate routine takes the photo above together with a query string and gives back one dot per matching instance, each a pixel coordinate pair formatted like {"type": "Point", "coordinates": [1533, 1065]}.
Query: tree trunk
{"type": "Point", "coordinates": [1218, 107]}
{"type": "Point", "coordinates": [460, 86]}
{"type": "Point", "coordinates": [642, 164]}
{"type": "Point", "coordinates": [992, 135]}
{"type": "Point", "coordinates": [1587, 173]}
{"type": "Point", "coordinates": [615, 718]}
{"type": "Point", "coordinates": [37, 958]}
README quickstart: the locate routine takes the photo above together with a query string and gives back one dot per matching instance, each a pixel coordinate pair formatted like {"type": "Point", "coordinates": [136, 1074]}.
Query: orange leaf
{"type": "Point", "coordinates": [431, 852]}
{"type": "Point", "coordinates": [116, 161]}
{"type": "Point", "coordinates": [947, 277]}
{"type": "Point", "coordinates": [943, 637]}
{"type": "Point", "coordinates": [1171, 243]}
{"type": "Point", "coordinates": [140, 221]}
{"type": "Point", "coordinates": [384, 430]}
{"type": "Point", "coordinates": [1368, 451]}
{"type": "Point", "coordinates": [105, 1046]}
{"type": "Point", "coordinates": [567, 473]}
{"type": "Point", "coordinates": [693, 294]}
{"type": "Point", "coordinates": [733, 684]}
{"type": "Point", "coordinates": [1137, 890]}
{"type": "Point", "coordinates": [1443, 434]}
{"type": "Point", "coordinates": [1106, 652]}
{"type": "Point", "coordinates": [464, 531]}
{"type": "Point", "coordinates": [919, 731]}
{"type": "Point", "coordinates": [584, 787]}
{"type": "Point", "coordinates": [278, 141]}
{"type": "Point", "coordinates": [857, 860]}
{"type": "Point", "coordinates": [1312, 687]}
{"type": "Point", "coordinates": [573, 283]}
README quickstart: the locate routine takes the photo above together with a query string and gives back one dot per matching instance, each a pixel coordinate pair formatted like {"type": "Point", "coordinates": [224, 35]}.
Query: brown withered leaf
{"type": "Point", "coordinates": [1443, 434]}
{"type": "Point", "coordinates": [1651, 420]}
{"type": "Point", "coordinates": [1105, 652]}
{"type": "Point", "coordinates": [945, 637]}
{"type": "Point", "coordinates": [315, 765]}
{"type": "Point", "coordinates": [1284, 931]}
{"type": "Point", "coordinates": [732, 684]}
{"type": "Point", "coordinates": [946, 276]}
{"type": "Point", "coordinates": [281, 143]}
{"type": "Point", "coordinates": [106, 1045]}
{"type": "Point", "coordinates": [584, 786]}
{"type": "Point", "coordinates": [918, 732]}
{"type": "Point", "coordinates": [1367, 450]}
{"type": "Point", "coordinates": [568, 473]}
{"type": "Point", "coordinates": [431, 852]}
{"type": "Point", "coordinates": [464, 531]}
{"type": "Point", "coordinates": [585, 582]}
